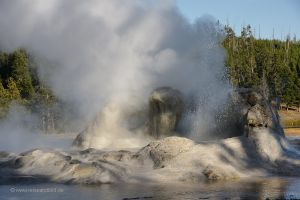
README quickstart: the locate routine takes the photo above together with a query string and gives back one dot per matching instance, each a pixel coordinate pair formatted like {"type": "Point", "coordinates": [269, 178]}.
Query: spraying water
{"type": "Point", "coordinates": [107, 56]}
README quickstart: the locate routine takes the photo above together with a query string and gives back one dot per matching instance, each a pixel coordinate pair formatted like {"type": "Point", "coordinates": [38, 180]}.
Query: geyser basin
{"type": "Point", "coordinates": [261, 151]}
{"type": "Point", "coordinates": [110, 62]}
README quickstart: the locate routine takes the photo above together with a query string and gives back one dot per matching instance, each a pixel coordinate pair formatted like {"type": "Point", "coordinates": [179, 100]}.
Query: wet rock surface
{"type": "Point", "coordinates": [257, 111]}
{"type": "Point", "coordinates": [169, 159]}
{"type": "Point", "coordinates": [165, 110]}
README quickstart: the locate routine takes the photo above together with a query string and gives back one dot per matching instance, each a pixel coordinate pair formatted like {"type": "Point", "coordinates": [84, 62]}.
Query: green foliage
{"type": "Point", "coordinates": [4, 99]}
{"type": "Point", "coordinates": [19, 83]}
{"type": "Point", "coordinates": [273, 63]}
{"type": "Point", "coordinates": [291, 123]}
{"type": "Point", "coordinates": [20, 72]}
{"type": "Point", "coordinates": [12, 90]}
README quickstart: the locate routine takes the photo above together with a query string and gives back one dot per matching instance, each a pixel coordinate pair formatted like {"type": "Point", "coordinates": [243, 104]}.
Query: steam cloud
{"type": "Point", "coordinates": [117, 52]}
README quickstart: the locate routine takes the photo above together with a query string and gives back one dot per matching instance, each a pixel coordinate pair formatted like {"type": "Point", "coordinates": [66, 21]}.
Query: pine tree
{"type": "Point", "coordinates": [4, 101]}
{"type": "Point", "coordinates": [255, 62]}
{"type": "Point", "coordinates": [13, 91]}
{"type": "Point", "coordinates": [3, 93]}
{"type": "Point", "coordinates": [21, 73]}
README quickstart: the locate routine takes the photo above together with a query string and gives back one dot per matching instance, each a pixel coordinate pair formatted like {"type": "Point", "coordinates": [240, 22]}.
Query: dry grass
{"type": "Point", "coordinates": [292, 131]}
{"type": "Point", "coordinates": [290, 118]}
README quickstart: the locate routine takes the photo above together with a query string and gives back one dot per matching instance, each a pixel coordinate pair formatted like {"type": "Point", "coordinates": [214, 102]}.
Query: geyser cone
{"type": "Point", "coordinates": [166, 107]}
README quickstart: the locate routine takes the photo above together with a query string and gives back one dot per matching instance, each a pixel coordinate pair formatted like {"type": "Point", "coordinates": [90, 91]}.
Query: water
{"type": "Point", "coordinates": [272, 188]}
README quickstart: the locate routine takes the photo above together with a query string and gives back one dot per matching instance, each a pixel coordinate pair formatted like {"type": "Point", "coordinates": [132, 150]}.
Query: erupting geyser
{"type": "Point", "coordinates": [261, 150]}
{"type": "Point", "coordinates": [135, 73]}
{"type": "Point", "coordinates": [104, 58]}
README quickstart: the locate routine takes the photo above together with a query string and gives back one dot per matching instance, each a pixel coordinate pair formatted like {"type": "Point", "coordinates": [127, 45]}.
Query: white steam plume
{"type": "Point", "coordinates": [118, 51]}
{"type": "Point", "coordinates": [19, 133]}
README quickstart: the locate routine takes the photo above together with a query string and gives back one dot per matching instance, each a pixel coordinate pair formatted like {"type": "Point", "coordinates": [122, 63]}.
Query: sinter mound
{"type": "Point", "coordinates": [261, 150]}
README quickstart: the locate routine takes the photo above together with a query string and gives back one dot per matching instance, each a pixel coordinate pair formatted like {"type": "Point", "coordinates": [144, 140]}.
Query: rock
{"type": "Point", "coordinates": [164, 150]}
{"type": "Point", "coordinates": [165, 110]}
{"type": "Point", "coordinates": [243, 109]}
{"type": "Point", "coordinates": [216, 173]}
{"type": "Point", "coordinates": [257, 112]}
{"type": "Point", "coordinates": [212, 173]}
{"type": "Point", "coordinates": [251, 96]}
{"type": "Point", "coordinates": [78, 141]}
{"type": "Point", "coordinates": [81, 140]}
{"type": "Point", "coordinates": [62, 167]}
{"type": "Point", "coordinates": [256, 117]}
{"type": "Point", "coordinates": [168, 159]}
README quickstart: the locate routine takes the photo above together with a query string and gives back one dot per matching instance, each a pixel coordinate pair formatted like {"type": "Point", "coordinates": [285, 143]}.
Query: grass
{"type": "Point", "coordinates": [291, 123]}
{"type": "Point", "coordinates": [290, 118]}
{"type": "Point", "coordinates": [292, 131]}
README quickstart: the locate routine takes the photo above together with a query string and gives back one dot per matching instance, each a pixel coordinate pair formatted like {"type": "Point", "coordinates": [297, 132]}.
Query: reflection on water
{"type": "Point", "coordinates": [272, 188]}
